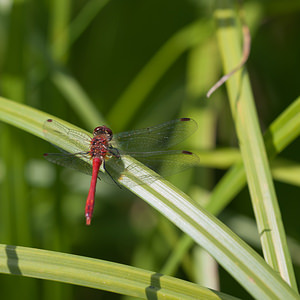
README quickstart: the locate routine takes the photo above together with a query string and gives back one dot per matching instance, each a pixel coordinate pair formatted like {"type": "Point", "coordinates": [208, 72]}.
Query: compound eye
{"type": "Point", "coordinates": [99, 130]}
{"type": "Point", "coordinates": [103, 130]}
{"type": "Point", "coordinates": [109, 133]}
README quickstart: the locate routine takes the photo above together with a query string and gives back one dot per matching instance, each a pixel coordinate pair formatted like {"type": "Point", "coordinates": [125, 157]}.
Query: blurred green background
{"type": "Point", "coordinates": [130, 64]}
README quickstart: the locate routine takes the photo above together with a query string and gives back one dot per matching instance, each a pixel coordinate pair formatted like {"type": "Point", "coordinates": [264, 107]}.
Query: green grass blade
{"type": "Point", "coordinates": [221, 158]}
{"type": "Point", "coordinates": [208, 232]}
{"type": "Point", "coordinates": [98, 274]}
{"type": "Point", "coordinates": [24, 117]}
{"type": "Point", "coordinates": [85, 17]}
{"type": "Point", "coordinates": [242, 262]}
{"type": "Point", "coordinates": [284, 130]}
{"type": "Point", "coordinates": [176, 257]}
{"type": "Point", "coordinates": [282, 169]}
{"type": "Point", "coordinates": [59, 14]}
{"type": "Point", "coordinates": [77, 98]}
{"type": "Point", "coordinates": [253, 152]}
{"type": "Point", "coordinates": [286, 171]}
{"type": "Point", "coordinates": [246, 228]}
{"type": "Point", "coordinates": [137, 91]}
{"type": "Point", "coordinates": [77, 26]}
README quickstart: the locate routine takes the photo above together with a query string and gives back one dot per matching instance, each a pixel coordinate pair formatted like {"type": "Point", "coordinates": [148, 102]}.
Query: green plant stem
{"type": "Point", "coordinates": [99, 274]}
{"type": "Point", "coordinates": [252, 147]}
{"type": "Point", "coordinates": [284, 130]}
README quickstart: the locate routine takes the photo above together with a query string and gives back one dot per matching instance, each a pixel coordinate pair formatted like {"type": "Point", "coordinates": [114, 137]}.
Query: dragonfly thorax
{"type": "Point", "coordinates": [99, 146]}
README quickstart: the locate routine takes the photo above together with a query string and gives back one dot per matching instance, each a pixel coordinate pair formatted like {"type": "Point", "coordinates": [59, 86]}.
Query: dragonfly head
{"type": "Point", "coordinates": [103, 130]}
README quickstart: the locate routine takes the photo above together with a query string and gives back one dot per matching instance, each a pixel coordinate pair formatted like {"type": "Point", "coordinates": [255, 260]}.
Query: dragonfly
{"type": "Point", "coordinates": [107, 151]}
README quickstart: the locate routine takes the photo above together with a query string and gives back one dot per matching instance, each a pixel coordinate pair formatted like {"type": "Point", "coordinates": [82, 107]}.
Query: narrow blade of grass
{"type": "Point", "coordinates": [77, 98]}
{"type": "Point", "coordinates": [253, 152]}
{"type": "Point", "coordinates": [98, 274]}
{"type": "Point", "coordinates": [284, 130]}
{"type": "Point", "coordinates": [142, 84]}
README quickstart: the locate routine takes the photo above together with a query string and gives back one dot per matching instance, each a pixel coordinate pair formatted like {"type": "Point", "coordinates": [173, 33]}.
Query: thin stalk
{"type": "Point", "coordinates": [253, 151]}
{"type": "Point", "coordinates": [99, 274]}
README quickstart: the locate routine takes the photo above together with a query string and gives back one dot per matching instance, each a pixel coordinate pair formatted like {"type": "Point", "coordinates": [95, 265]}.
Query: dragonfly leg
{"type": "Point", "coordinates": [114, 152]}
{"type": "Point", "coordinates": [117, 183]}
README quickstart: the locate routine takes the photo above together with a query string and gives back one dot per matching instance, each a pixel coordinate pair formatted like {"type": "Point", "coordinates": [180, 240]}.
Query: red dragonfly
{"type": "Point", "coordinates": [105, 150]}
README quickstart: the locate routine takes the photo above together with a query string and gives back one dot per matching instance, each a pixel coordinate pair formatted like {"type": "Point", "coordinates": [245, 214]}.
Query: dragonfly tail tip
{"type": "Point", "coordinates": [88, 221]}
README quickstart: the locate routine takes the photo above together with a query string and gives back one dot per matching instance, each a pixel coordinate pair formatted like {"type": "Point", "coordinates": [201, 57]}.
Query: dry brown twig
{"type": "Point", "coordinates": [246, 53]}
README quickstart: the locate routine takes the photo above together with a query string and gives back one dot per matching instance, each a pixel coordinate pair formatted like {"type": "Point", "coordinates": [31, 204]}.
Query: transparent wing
{"type": "Point", "coordinates": [156, 138]}
{"type": "Point", "coordinates": [55, 131]}
{"type": "Point", "coordinates": [114, 166]}
{"type": "Point", "coordinates": [164, 163]}
{"type": "Point", "coordinates": [143, 144]}
{"type": "Point", "coordinates": [75, 162]}
{"type": "Point", "coordinates": [167, 163]}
